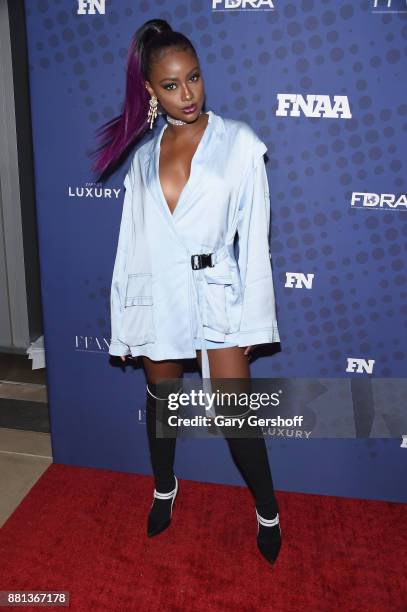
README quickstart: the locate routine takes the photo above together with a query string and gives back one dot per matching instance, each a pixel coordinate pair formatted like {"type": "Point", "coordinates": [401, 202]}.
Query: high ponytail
{"type": "Point", "coordinates": [119, 133]}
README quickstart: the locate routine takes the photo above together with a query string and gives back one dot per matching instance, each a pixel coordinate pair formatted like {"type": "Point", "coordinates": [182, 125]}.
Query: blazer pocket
{"type": "Point", "coordinates": [234, 298]}
{"type": "Point", "coordinates": [138, 312]}
{"type": "Point", "coordinates": [216, 300]}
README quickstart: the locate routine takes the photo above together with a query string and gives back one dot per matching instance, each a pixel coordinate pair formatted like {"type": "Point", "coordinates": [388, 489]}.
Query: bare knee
{"type": "Point", "coordinates": [163, 369]}
{"type": "Point", "coordinates": [229, 363]}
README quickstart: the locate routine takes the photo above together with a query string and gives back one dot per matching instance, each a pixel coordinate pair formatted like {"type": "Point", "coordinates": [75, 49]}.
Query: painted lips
{"type": "Point", "coordinates": [189, 109]}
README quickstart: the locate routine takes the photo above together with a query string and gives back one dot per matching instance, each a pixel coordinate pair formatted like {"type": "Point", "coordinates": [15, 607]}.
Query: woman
{"type": "Point", "coordinates": [178, 289]}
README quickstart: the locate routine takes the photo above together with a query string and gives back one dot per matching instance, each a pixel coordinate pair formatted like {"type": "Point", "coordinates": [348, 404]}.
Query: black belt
{"type": "Point", "coordinates": [201, 260]}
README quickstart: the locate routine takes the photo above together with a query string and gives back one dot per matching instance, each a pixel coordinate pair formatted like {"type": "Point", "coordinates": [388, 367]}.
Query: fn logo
{"type": "Point", "coordinates": [397, 6]}
{"type": "Point", "coordinates": [90, 7]}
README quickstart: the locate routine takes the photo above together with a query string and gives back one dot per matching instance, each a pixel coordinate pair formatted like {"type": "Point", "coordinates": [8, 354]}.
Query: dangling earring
{"type": "Point", "coordinates": [152, 113]}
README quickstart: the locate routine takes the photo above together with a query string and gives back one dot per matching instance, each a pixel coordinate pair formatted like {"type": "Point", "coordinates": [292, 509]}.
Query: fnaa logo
{"type": "Point", "coordinates": [91, 7]}
{"type": "Point", "coordinates": [298, 280]}
{"type": "Point", "coordinates": [313, 105]}
{"type": "Point", "coordinates": [389, 6]}
{"type": "Point", "coordinates": [242, 5]}
{"type": "Point", "coordinates": [360, 365]}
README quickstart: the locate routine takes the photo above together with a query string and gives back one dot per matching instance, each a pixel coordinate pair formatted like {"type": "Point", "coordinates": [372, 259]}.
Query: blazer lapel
{"type": "Point", "coordinates": [149, 158]}
{"type": "Point", "coordinates": [206, 149]}
{"type": "Point", "coordinates": [148, 161]}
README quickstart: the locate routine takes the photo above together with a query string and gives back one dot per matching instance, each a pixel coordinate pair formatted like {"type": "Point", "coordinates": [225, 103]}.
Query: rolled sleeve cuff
{"type": "Point", "coordinates": [259, 336]}
{"type": "Point", "coordinates": [118, 348]}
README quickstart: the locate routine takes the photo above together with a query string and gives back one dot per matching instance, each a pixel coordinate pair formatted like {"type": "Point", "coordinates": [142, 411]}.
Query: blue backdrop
{"type": "Point", "coordinates": [323, 84]}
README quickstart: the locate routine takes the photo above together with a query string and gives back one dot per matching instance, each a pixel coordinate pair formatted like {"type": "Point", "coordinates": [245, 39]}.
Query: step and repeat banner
{"type": "Point", "coordinates": [323, 85]}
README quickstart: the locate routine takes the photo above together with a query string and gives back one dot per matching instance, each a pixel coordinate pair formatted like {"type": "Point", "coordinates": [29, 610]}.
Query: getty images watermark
{"type": "Point", "coordinates": [356, 406]}
{"type": "Point", "coordinates": [238, 404]}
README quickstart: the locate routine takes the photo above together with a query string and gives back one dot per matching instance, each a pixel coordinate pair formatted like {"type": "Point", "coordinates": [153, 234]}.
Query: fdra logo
{"type": "Point", "coordinates": [90, 7]}
{"type": "Point", "coordinates": [313, 106]}
{"type": "Point", "coordinates": [379, 201]}
{"type": "Point", "coordinates": [298, 280]}
{"type": "Point", "coordinates": [242, 5]}
{"type": "Point", "coordinates": [389, 6]}
{"type": "Point", "coordinates": [360, 365]}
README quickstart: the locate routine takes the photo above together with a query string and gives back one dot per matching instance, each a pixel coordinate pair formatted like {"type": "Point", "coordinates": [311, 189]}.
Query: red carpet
{"type": "Point", "coordinates": [83, 530]}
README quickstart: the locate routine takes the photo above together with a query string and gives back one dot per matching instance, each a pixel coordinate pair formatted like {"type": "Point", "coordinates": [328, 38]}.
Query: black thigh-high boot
{"type": "Point", "coordinates": [250, 456]}
{"type": "Point", "coordinates": [162, 443]}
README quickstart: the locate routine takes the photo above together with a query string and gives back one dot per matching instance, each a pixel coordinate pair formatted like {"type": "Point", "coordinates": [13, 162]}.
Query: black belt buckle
{"type": "Point", "coordinates": [201, 260]}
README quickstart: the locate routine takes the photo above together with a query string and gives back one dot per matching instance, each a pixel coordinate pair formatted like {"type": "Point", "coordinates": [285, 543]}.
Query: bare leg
{"type": "Point", "coordinates": [227, 362]}
{"type": "Point", "coordinates": [155, 370]}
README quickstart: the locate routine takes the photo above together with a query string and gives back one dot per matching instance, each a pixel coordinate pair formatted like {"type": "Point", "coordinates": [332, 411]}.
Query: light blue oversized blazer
{"type": "Point", "coordinates": [159, 304]}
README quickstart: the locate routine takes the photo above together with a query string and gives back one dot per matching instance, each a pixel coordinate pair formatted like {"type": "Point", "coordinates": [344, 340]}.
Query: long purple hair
{"type": "Point", "coordinates": [118, 134]}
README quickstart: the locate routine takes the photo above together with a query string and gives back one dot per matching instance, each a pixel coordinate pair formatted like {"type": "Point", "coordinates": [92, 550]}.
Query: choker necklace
{"type": "Point", "coordinates": [177, 121]}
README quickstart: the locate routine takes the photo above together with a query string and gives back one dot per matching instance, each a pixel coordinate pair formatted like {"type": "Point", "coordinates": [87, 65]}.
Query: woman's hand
{"type": "Point", "coordinates": [123, 358]}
